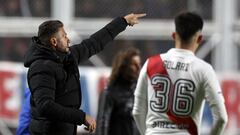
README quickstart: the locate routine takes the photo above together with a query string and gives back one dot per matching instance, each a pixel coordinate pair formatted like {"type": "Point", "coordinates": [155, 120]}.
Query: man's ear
{"type": "Point", "coordinates": [200, 38]}
{"type": "Point", "coordinates": [53, 41]}
{"type": "Point", "coordinates": [174, 35]}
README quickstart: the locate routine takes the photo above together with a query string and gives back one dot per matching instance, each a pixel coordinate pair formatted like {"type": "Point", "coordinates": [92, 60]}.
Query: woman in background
{"type": "Point", "coordinates": [116, 102]}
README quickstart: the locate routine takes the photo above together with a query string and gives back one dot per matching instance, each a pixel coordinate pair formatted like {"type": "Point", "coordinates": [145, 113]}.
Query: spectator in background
{"type": "Point", "coordinates": [11, 8]}
{"type": "Point", "coordinates": [86, 8]}
{"type": "Point", "coordinates": [13, 49]}
{"type": "Point", "coordinates": [164, 9]}
{"type": "Point", "coordinates": [116, 102]}
{"type": "Point", "coordinates": [40, 8]}
{"type": "Point", "coordinates": [136, 6]}
{"type": "Point", "coordinates": [19, 49]}
{"type": "Point", "coordinates": [35, 8]}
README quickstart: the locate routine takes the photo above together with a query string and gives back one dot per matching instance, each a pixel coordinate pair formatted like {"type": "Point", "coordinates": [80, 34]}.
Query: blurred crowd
{"type": "Point", "coordinates": [26, 8]}
{"type": "Point", "coordinates": [165, 9]}
{"type": "Point", "coordinates": [13, 48]}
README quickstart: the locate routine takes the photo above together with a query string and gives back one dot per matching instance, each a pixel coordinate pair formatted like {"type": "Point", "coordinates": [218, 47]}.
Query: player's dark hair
{"type": "Point", "coordinates": [121, 65]}
{"type": "Point", "coordinates": [47, 29]}
{"type": "Point", "coordinates": [187, 24]}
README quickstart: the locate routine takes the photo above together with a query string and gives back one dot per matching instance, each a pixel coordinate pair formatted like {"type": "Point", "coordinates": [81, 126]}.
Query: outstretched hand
{"type": "Point", "coordinates": [133, 18]}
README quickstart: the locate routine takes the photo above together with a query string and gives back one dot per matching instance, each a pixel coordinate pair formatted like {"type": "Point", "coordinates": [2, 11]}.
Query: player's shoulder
{"type": "Point", "coordinates": [201, 64]}
{"type": "Point", "coordinates": [153, 59]}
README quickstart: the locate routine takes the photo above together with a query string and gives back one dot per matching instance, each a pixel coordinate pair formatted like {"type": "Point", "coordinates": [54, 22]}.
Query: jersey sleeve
{"type": "Point", "coordinates": [215, 99]}
{"type": "Point", "coordinates": [140, 100]}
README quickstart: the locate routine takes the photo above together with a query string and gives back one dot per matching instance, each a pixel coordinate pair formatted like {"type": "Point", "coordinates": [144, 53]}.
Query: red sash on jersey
{"type": "Point", "coordinates": [156, 66]}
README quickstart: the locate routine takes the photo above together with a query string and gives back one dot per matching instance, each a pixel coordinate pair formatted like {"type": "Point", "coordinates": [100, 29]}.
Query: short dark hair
{"type": "Point", "coordinates": [47, 29]}
{"type": "Point", "coordinates": [187, 24]}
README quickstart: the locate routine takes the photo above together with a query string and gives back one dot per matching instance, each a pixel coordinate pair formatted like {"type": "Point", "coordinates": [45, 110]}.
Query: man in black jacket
{"type": "Point", "coordinates": [53, 75]}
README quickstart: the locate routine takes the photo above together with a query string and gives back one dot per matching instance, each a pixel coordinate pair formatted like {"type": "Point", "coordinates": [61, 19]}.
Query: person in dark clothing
{"type": "Point", "coordinates": [116, 102]}
{"type": "Point", "coordinates": [53, 75]}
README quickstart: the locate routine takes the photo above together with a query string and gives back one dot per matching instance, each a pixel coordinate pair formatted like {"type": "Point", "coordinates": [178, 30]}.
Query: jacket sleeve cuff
{"type": "Point", "coordinates": [81, 117]}
{"type": "Point", "coordinates": [125, 20]}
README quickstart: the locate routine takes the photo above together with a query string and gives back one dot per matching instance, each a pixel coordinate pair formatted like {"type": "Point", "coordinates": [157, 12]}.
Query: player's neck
{"type": "Point", "coordinates": [191, 46]}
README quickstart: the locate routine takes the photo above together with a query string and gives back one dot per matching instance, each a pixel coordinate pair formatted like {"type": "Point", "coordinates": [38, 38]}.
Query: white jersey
{"type": "Point", "coordinates": [171, 92]}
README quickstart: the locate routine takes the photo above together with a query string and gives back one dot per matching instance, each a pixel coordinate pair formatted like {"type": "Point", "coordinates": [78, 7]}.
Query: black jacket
{"type": "Point", "coordinates": [53, 79]}
{"type": "Point", "coordinates": [115, 109]}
